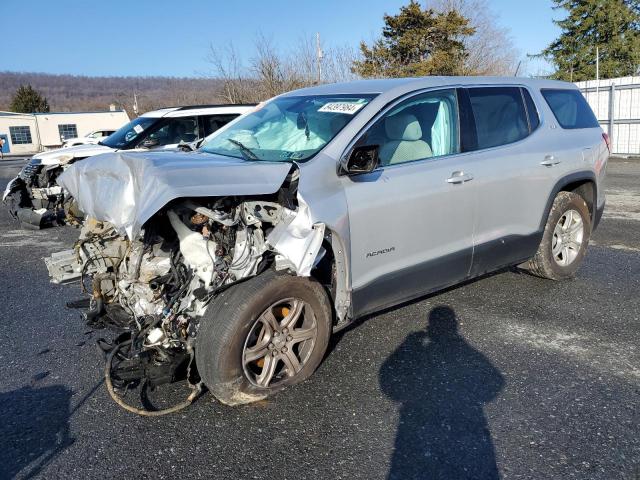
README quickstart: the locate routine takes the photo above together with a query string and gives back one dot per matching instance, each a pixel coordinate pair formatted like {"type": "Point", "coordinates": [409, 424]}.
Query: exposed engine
{"type": "Point", "coordinates": [153, 290]}
{"type": "Point", "coordinates": [183, 256]}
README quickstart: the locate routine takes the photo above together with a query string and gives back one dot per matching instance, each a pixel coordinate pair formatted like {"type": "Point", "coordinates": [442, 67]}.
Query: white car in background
{"type": "Point", "coordinates": [35, 198]}
{"type": "Point", "coordinates": [90, 138]}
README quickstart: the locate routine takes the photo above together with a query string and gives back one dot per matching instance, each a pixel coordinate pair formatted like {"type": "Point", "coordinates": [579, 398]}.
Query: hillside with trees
{"type": "Point", "coordinates": [66, 93]}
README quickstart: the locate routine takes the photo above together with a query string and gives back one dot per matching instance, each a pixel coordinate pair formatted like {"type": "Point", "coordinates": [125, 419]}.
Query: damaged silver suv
{"type": "Point", "coordinates": [231, 266]}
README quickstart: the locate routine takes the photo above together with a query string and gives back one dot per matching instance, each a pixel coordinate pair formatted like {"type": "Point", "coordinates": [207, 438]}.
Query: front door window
{"type": "Point", "coordinates": [419, 128]}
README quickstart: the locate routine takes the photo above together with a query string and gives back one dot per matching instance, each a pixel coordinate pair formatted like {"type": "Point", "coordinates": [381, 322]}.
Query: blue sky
{"type": "Point", "coordinates": [145, 37]}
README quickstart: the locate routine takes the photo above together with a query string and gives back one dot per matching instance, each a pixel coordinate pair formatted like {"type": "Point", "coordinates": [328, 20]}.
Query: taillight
{"type": "Point", "coordinates": [607, 141]}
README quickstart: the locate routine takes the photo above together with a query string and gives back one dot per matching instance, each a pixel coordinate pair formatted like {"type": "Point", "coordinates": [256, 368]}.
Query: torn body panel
{"type": "Point", "coordinates": [126, 189]}
{"type": "Point", "coordinates": [298, 239]}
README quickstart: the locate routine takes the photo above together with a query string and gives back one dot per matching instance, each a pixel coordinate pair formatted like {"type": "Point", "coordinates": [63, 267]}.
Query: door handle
{"type": "Point", "coordinates": [550, 161]}
{"type": "Point", "coordinates": [459, 177]}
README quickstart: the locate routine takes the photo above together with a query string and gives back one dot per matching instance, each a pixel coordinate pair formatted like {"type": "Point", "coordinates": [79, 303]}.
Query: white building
{"type": "Point", "coordinates": [616, 103]}
{"type": "Point", "coordinates": [26, 133]}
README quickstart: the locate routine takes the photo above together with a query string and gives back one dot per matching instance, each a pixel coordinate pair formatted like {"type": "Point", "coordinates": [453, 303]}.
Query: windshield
{"type": "Point", "coordinates": [123, 137]}
{"type": "Point", "coordinates": [287, 128]}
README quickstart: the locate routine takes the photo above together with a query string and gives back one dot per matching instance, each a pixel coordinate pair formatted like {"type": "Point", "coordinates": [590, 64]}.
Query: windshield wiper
{"type": "Point", "coordinates": [247, 153]}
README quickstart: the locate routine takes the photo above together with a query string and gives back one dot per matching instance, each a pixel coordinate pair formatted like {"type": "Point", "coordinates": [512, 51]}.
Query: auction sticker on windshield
{"type": "Point", "coordinates": [341, 107]}
{"type": "Point", "coordinates": [138, 129]}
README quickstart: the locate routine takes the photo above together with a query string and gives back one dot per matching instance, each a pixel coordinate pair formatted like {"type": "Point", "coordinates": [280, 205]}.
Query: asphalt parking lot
{"type": "Point", "coordinates": [510, 376]}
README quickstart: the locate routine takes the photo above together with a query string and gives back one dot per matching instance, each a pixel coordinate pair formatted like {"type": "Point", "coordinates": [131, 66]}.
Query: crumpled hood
{"type": "Point", "coordinates": [127, 188]}
{"type": "Point", "coordinates": [53, 157]}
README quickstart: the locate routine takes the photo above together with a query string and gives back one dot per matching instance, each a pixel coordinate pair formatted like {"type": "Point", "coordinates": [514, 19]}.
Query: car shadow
{"type": "Point", "coordinates": [336, 337]}
{"type": "Point", "coordinates": [34, 427]}
{"type": "Point", "coordinates": [442, 384]}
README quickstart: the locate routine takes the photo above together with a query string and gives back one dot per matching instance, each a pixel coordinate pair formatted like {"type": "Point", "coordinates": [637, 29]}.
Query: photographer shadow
{"type": "Point", "coordinates": [442, 384]}
{"type": "Point", "coordinates": [34, 427]}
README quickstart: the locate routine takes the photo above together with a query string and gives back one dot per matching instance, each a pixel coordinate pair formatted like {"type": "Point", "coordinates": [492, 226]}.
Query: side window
{"type": "Point", "coordinates": [68, 130]}
{"type": "Point", "coordinates": [174, 131]}
{"type": "Point", "coordinates": [570, 108]}
{"type": "Point", "coordinates": [499, 114]}
{"type": "Point", "coordinates": [420, 127]}
{"type": "Point", "coordinates": [20, 135]}
{"type": "Point", "coordinates": [532, 110]}
{"type": "Point", "coordinates": [214, 122]}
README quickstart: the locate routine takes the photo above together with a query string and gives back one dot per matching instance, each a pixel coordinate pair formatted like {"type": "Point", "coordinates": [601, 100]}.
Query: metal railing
{"type": "Point", "coordinates": [616, 103]}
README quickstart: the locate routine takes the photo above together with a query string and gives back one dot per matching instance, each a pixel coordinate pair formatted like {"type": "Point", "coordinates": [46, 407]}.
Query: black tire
{"type": "Point", "coordinates": [543, 263]}
{"type": "Point", "coordinates": [230, 319]}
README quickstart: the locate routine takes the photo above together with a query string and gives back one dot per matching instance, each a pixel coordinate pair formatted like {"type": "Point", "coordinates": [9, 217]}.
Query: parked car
{"type": "Point", "coordinates": [34, 196]}
{"type": "Point", "coordinates": [324, 205]}
{"type": "Point", "coordinates": [90, 138]}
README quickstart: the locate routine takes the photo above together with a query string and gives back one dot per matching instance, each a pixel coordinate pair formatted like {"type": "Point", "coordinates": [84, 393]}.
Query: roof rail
{"type": "Point", "coordinates": [193, 107]}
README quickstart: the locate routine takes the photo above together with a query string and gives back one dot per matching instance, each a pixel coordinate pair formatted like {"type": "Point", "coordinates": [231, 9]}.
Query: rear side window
{"type": "Point", "coordinates": [500, 115]}
{"type": "Point", "coordinates": [214, 122]}
{"type": "Point", "coordinates": [172, 132]}
{"type": "Point", "coordinates": [532, 111]}
{"type": "Point", "coordinates": [570, 108]}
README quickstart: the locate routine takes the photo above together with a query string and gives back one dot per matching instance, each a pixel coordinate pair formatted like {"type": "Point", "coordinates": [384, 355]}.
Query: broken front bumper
{"type": "Point", "coordinates": [36, 207]}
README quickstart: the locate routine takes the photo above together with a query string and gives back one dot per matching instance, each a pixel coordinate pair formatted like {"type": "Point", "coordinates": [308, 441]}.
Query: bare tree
{"type": "Point", "coordinates": [304, 58]}
{"type": "Point", "coordinates": [268, 67]}
{"type": "Point", "coordinates": [335, 62]}
{"type": "Point", "coordinates": [276, 72]}
{"type": "Point", "coordinates": [272, 71]}
{"type": "Point", "coordinates": [490, 49]}
{"type": "Point", "coordinates": [236, 81]}
{"type": "Point", "coordinates": [338, 62]}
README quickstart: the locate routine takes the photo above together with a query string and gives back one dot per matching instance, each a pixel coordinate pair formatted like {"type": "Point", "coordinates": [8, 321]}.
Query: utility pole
{"type": "Point", "coordinates": [517, 69]}
{"type": "Point", "coordinates": [598, 81]}
{"type": "Point", "coordinates": [597, 63]}
{"type": "Point", "coordinates": [319, 55]}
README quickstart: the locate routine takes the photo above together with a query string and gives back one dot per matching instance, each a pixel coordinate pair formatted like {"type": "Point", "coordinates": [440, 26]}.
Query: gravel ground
{"type": "Point", "coordinates": [510, 376]}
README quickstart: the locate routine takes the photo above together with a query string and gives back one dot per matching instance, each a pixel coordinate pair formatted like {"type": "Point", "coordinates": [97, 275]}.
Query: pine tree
{"type": "Point", "coordinates": [611, 26]}
{"type": "Point", "coordinates": [28, 100]}
{"type": "Point", "coordinates": [416, 42]}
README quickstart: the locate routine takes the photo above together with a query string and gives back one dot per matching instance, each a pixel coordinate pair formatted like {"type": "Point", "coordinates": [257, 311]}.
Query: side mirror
{"type": "Point", "coordinates": [363, 159]}
{"type": "Point", "coordinates": [186, 147]}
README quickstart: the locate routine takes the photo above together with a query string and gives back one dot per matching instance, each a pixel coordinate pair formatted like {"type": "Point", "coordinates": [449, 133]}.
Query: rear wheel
{"type": "Point", "coordinates": [263, 335]}
{"type": "Point", "coordinates": [565, 239]}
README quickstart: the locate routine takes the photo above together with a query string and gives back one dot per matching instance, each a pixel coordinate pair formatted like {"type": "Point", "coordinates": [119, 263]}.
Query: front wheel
{"type": "Point", "coordinates": [263, 335]}
{"type": "Point", "coordinates": [565, 239]}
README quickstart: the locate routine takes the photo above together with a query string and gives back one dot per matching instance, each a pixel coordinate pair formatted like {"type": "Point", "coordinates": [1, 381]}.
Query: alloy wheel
{"type": "Point", "coordinates": [567, 238]}
{"type": "Point", "coordinates": [279, 343]}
